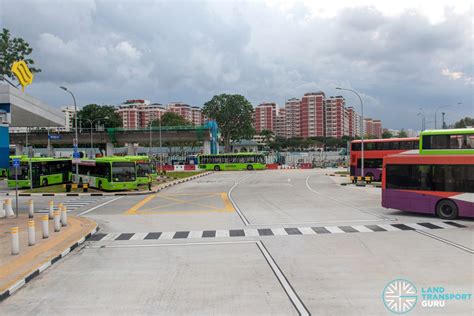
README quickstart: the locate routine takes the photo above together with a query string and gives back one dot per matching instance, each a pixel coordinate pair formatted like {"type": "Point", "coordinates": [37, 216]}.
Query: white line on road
{"type": "Point", "coordinates": [471, 251]}
{"type": "Point", "coordinates": [174, 244]}
{"type": "Point", "coordinates": [342, 202]}
{"type": "Point", "coordinates": [96, 207]}
{"type": "Point", "coordinates": [229, 194]}
{"type": "Point", "coordinates": [300, 307]}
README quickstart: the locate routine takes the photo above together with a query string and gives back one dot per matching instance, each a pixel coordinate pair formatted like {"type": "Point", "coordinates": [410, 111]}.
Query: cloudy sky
{"type": "Point", "coordinates": [400, 55]}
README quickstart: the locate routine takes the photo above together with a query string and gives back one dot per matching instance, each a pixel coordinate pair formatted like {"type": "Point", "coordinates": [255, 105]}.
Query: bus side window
{"type": "Point", "coordinates": [369, 146]}
{"type": "Point", "coordinates": [395, 145]}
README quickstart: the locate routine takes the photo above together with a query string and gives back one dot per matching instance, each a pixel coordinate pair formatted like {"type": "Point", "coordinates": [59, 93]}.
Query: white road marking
{"type": "Point", "coordinates": [222, 233]}
{"type": "Point", "coordinates": [100, 205]}
{"type": "Point", "coordinates": [306, 230]}
{"type": "Point", "coordinates": [111, 236]}
{"type": "Point", "coordinates": [362, 229]}
{"type": "Point", "coordinates": [389, 228]}
{"type": "Point", "coordinates": [334, 229]}
{"type": "Point", "coordinates": [167, 235]}
{"type": "Point", "coordinates": [195, 234]}
{"type": "Point", "coordinates": [279, 232]}
{"type": "Point", "coordinates": [302, 310]}
{"type": "Point", "coordinates": [138, 236]}
{"type": "Point", "coordinates": [250, 232]}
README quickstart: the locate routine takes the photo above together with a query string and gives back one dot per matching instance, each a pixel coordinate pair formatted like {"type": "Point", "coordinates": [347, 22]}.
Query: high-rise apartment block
{"type": "Point", "coordinates": [140, 113]}
{"type": "Point", "coordinates": [314, 115]}
{"type": "Point", "coordinates": [264, 117]}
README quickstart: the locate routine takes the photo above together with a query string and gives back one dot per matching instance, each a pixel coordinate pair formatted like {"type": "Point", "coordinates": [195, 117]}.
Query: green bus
{"type": "Point", "coordinates": [44, 171]}
{"type": "Point", "coordinates": [458, 141]}
{"type": "Point", "coordinates": [106, 173]}
{"type": "Point", "coordinates": [238, 161]}
{"type": "Point", "coordinates": [143, 166]}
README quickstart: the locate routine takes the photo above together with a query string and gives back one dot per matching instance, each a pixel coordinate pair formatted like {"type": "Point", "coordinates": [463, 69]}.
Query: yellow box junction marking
{"type": "Point", "coordinates": [138, 209]}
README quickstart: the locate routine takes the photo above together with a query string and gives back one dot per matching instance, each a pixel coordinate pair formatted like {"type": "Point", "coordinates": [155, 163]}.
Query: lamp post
{"type": "Point", "coordinates": [91, 122]}
{"type": "Point", "coordinates": [76, 139]}
{"type": "Point", "coordinates": [422, 114]}
{"type": "Point", "coordinates": [439, 108]}
{"type": "Point", "coordinates": [361, 127]}
{"type": "Point", "coordinates": [161, 152]}
{"type": "Point", "coordinates": [150, 144]}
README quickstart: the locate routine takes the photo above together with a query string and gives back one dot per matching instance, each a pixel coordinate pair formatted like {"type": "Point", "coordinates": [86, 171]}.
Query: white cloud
{"type": "Point", "coordinates": [398, 55]}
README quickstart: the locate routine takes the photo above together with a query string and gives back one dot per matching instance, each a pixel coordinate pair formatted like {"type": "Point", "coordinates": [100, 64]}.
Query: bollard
{"type": "Point", "coordinates": [44, 221]}
{"type": "Point", "coordinates": [8, 207]}
{"type": "Point", "coordinates": [51, 209]}
{"type": "Point", "coordinates": [31, 208]}
{"type": "Point", "coordinates": [2, 211]}
{"type": "Point", "coordinates": [31, 233]}
{"type": "Point", "coordinates": [64, 216]}
{"type": "Point", "coordinates": [57, 223]}
{"type": "Point", "coordinates": [15, 241]}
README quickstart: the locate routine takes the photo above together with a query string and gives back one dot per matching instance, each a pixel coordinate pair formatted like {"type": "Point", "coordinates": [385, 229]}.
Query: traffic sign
{"type": "Point", "coordinates": [76, 154]}
{"type": "Point", "coordinates": [16, 162]}
{"type": "Point", "coordinates": [76, 160]}
{"type": "Point", "coordinates": [55, 136]}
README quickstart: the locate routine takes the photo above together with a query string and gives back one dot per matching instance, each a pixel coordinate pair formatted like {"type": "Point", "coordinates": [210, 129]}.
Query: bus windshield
{"type": "Point", "coordinates": [22, 173]}
{"type": "Point", "coordinates": [123, 171]}
{"type": "Point", "coordinates": [143, 169]}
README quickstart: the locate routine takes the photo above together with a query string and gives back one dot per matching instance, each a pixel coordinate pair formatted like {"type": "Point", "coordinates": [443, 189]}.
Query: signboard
{"type": "Point", "coordinates": [55, 136]}
{"type": "Point", "coordinates": [16, 162]}
{"type": "Point", "coordinates": [76, 160]}
{"type": "Point", "coordinates": [22, 73]}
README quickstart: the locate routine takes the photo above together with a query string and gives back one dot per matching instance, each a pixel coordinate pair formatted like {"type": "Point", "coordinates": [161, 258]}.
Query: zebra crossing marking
{"type": "Point", "coordinates": [73, 204]}
{"type": "Point", "coordinates": [279, 231]}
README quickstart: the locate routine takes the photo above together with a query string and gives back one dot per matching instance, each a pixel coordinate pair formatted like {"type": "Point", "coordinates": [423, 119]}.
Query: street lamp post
{"type": "Point", "coordinates": [91, 122]}
{"type": "Point", "coordinates": [361, 127]}
{"type": "Point", "coordinates": [161, 151]}
{"type": "Point", "coordinates": [439, 108]}
{"type": "Point", "coordinates": [422, 114]}
{"type": "Point", "coordinates": [76, 140]}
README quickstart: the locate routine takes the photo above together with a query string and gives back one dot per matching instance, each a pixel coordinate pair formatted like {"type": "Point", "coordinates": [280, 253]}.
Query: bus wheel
{"type": "Point", "coordinates": [217, 168]}
{"type": "Point", "coordinates": [44, 182]}
{"type": "Point", "coordinates": [249, 167]}
{"type": "Point", "coordinates": [447, 209]}
{"type": "Point", "coordinates": [100, 185]}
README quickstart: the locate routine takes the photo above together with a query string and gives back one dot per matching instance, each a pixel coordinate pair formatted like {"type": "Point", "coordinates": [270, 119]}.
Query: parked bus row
{"type": "Point", "coordinates": [106, 173]}
{"type": "Point", "coordinates": [114, 173]}
{"type": "Point", "coordinates": [437, 178]}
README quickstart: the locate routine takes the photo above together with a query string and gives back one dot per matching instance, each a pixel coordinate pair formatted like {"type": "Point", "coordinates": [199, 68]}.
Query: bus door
{"type": "Point", "coordinates": [65, 170]}
{"type": "Point", "coordinates": [36, 174]}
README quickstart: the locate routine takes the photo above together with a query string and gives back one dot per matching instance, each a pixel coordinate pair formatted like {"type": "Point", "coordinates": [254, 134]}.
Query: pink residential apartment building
{"type": "Point", "coordinates": [315, 115]}
{"type": "Point", "coordinates": [264, 117]}
{"type": "Point", "coordinates": [140, 113]}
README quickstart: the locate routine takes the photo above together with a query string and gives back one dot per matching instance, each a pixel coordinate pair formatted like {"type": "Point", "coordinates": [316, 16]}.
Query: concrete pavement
{"type": "Point", "coordinates": [340, 272]}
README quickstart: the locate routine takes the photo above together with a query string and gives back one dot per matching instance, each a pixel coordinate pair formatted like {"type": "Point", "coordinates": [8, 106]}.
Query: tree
{"type": "Point", "coordinates": [171, 119]}
{"type": "Point", "coordinates": [402, 134]}
{"type": "Point", "coordinates": [465, 122]}
{"type": "Point", "coordinates": [14, 49]}
{"type": "Point", "coordinates": [95, 112]}
{"type": "Point", "coordinates": [387, 134]}
{"type": "Point", "coordinates": [268, 135]}
{"type": "Point", "coordinates": [234, 116]}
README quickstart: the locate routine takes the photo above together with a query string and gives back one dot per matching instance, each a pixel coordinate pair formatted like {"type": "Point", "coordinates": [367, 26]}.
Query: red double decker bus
{"type": "Point", "coordinates": [374, 152]}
